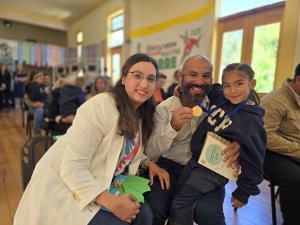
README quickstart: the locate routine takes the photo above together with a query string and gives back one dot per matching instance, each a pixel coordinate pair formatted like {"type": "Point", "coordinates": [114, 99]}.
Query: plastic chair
{"type": "Point", "coordinates": [31, 152]}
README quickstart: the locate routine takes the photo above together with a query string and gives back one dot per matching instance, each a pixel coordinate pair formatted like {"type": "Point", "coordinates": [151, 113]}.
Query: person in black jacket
{"type": "Point", "coordinates": [232, 115]}
{"type": "Point", "coordinates": [38, 99]}
{"type": "Point", "coordinates": [172, 86]}
{"type": "Point", "coordinates": [159, 93]}
{"type": "Point", "coordinates": [71, 97]}
{"type": "Point", "coordinates": [5, 80]}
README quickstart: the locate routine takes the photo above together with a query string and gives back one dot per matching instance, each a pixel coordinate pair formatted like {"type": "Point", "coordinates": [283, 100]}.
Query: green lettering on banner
{"type": "Point", "coordinates": [167, 63]}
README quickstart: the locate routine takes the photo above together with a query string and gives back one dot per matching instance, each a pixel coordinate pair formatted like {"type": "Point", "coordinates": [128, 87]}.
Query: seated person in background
{"type": "Point", "coordinates": [100, 85]}
{"type": "Point", "coordinates": [47, 84]}
{"type": "Point", "coordinates": [71, 97]}
{"type": "Point", "coordinates": [159, 93]}
{"type": "Point", "coordinates": [282, 160]}
{"type": "Point", "coordinates": [233, 116]}
{"type": "Point", "coordinates": [37, 98]}
{"type": "Point", "coordinates": [55, 124]}
{"type": "Point", "coordinates": [60, 81]}
{"type": "Point", "coordinates": [172, 86]}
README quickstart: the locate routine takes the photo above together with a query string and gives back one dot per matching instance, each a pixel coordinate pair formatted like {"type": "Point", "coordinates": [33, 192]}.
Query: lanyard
{"type": "Point", "coordinates": [236, 108]}
{"type": "Point", "coordinates": [210, 111]}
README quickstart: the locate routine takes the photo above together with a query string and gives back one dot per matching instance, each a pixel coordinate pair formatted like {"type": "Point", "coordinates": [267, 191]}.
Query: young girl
{"type": "Point", "coordinates": [70, 183]}
{"type": "Point", "coordinates": [233, 115]}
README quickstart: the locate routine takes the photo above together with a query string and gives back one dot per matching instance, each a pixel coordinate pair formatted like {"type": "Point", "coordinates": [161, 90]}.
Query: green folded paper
{"type": "Point", "coordinates": [136, 186]}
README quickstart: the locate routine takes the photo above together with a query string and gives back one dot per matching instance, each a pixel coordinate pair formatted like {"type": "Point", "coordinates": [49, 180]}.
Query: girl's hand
{"type": "Point", "coordinates": [121, 206]}
{"type": "Point", "coordinates": [163, 176]}
{"type": "Point", "coordinates": [232, 154]}
{"type": "Point", "coordinates": [236, 203]}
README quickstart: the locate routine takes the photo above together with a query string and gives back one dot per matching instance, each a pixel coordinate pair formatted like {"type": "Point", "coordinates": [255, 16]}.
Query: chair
{"type": "Point", "coordinates": [29, 119]}
{"type": "Point", "coordinates": [29, 123]}
{"type": "Point", "coordinates": [31, 152]}
{"type": "Point", "coordinates": [274, 195]}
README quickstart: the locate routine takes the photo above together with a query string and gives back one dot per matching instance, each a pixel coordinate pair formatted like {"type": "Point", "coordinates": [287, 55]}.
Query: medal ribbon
{"type": "Point", "coordinates": [210, 111]}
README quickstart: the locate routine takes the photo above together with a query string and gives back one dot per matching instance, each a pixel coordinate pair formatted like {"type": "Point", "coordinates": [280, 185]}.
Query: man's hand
{"type": "Point", "coordinates": [180, 117]}
{"type": "Point", "coordinates": [232, 154]}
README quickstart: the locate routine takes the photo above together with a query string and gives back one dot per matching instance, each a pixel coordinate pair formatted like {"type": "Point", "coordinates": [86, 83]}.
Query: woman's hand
{"type": "Point", "coordinates": [122, 207]}
{"type": "Point", "coordinates": [236, 203]}
{"type": "Point", "coordinates": [232, 154]}
{"type": "Point", "coordinates": [163, 176]}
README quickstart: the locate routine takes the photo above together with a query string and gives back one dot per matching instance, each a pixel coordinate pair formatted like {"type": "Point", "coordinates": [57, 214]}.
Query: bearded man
{"type": "Point", "coordinates": [169, 144]}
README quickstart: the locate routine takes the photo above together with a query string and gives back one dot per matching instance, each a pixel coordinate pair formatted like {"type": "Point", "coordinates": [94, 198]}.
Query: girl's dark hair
{"type": "Point", "coordinates": [248, 71]}
{"type": "Point", "coordinates": [129, 119]}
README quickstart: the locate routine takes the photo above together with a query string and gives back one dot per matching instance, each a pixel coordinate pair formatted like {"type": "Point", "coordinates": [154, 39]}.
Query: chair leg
{"type": "Point", "coordinates": [273, 206]}
{"type": "Point", "coordinates": [30, 128]}
{"type": "Point", "coordinates": [29, 125]}
{"type": "Point", "coordinates": [23, 117]}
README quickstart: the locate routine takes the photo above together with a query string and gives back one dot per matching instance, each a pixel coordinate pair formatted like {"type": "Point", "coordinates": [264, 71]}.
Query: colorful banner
{"type": "Point", "coordinates": [26, 47]}
{"type": "Point", "coordinates": [32, 47]}
{"type": "Point", "coordinates": [14, 48]}
{"type": "Point", "coordinates": [20, 52]}
{"type": "Point", "coordinates": [173, 41]}
{"type": "Point", "coordinates": [49, 55]}
{"type": "Point", "coordinates": [38, 55]}
{"type": "Point", "coordinates": [62, 56]}
{"type": "Point", "coordinates": [44, 55]}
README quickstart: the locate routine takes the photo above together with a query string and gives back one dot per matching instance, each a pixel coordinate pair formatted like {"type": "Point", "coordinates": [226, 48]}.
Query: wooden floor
{"type": "Point", "coordinates": [12, 135]}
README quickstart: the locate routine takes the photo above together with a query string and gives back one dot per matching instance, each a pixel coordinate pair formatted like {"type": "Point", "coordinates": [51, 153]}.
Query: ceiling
{"type": "Point", "coordinates": [48, 13]}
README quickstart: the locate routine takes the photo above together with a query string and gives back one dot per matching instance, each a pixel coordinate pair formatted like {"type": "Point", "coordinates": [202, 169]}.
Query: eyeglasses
{"type": "Point", "coordinates": [138, 76]}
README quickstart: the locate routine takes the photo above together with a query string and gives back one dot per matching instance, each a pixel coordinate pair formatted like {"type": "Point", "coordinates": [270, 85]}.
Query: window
{"type": "Point", "coordinates": [117, 31]}
{"type": "Point", "coordinates": [229, 7]}
{"type": "Point", "coordinates": [79, 46]}
{"type": "Point", "coordinates": [242, 38]}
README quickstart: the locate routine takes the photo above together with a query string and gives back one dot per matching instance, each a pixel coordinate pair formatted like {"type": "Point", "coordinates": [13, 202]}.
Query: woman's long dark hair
{"type": "Point", "coordinates": [248, 71]}
{"type": "Point", "coordinates": [129, 119]}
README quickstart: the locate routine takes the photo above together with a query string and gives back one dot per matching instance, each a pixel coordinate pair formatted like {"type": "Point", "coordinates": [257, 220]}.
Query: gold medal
{"type": "Point", "coordinates": [197, 111]}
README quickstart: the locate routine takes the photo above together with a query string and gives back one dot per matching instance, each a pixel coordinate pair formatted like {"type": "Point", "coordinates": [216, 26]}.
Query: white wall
{"type": "Point", "coordinates": [145, 13]}
{"type": "Point", "coordinates": [94, 25]}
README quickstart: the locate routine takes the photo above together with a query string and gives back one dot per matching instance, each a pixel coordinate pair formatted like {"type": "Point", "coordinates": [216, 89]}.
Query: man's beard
{"type": "Point", "coordinates": [195, 98]}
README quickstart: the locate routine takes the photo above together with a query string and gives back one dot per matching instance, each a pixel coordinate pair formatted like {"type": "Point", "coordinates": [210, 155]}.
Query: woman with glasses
{"type": "Point", "coordinates": [70, 183]}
